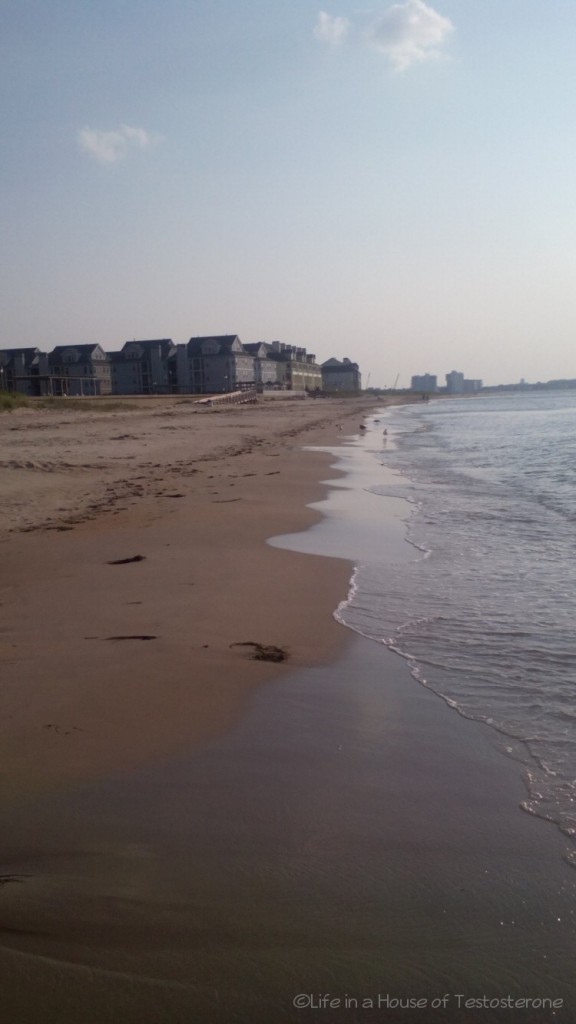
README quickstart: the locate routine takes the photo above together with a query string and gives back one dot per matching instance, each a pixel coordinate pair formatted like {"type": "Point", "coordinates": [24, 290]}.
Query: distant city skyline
{"type": "Point", "coordinates": [394, 183]}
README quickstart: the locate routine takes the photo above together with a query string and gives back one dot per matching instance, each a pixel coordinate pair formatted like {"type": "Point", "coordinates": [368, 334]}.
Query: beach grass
{"type": "Point", "coordinates": [83, 405]}
{"type": "Point", "coordinates": [9, 401]}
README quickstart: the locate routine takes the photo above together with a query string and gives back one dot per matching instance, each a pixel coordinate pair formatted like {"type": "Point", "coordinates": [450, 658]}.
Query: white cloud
{"type": "Point", "coordinates": [331, 29]}
{"type": "Point", "coordinates": [111, 147]}
{"type": "Point", "coordinates": [411, 32]}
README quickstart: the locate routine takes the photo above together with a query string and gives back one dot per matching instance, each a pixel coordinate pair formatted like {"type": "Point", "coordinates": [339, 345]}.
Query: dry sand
{"type": "Point", "coordinates": [107, 665]}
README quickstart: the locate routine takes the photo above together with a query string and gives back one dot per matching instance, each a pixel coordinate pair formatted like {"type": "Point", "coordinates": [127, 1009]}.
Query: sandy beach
{"type": "Point", "coordinates": [192, 833]}
{"type": "Point", "coordinates": [191, 494]}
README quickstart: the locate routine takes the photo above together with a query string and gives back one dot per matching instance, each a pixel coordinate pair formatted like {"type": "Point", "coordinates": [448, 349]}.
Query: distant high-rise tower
{"type": "Point", "coordinates": [455, 383]}
{"type": "Point", "coordinates": [424, 382]}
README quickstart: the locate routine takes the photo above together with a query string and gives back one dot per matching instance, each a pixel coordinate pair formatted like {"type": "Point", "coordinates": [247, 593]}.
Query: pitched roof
{"type": "Point", "coordinates": [258, 348]}
{"type": "Point", "coordinates": [165, 344]}
{"type": "Point", "coordinates": [224, 343]}
{"type": "Point", "coordinates": [336, 364]}
{"type": "Point", "coordinates": [80, 352]}
{"type": "Point", "coordinates": [7, 354]}
{"type": "Point", "coordinates": [18, 351]}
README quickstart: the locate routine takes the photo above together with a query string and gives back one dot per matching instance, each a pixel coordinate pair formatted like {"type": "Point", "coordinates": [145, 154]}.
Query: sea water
{"type": "Point", "coordinates": [485, 608]}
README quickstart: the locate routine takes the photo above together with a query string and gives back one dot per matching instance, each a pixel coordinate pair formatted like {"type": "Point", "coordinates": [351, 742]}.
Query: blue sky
{"type": "Point", "coordinates": [391, 183]}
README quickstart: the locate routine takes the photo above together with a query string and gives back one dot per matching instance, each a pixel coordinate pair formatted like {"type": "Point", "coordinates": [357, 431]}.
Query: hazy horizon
{"type": "Point", "coordinates": [391, 184]}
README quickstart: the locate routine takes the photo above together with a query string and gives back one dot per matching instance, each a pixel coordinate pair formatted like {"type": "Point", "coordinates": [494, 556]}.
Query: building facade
{"type": "Point", "coordinates": [204, 365]}
{"type": "Point", "coordinates": [24, 370]}
{"type": "Point", "coordinates": [265, 367]}
{"type": "Point", "coordinates": [424, 382]}
{"type": "Point", "coordinates": [78, 370]}
{"type": "Point", "coordinates": [144, 368]}
{"type": "Point", "coordinates": [455, 383]}
{"type": "Point", "coordinates": [297, 369]}
{"type": "Point", "coordinates": [341, 375]}
{"type": "Point", "coordinates": [472, 387]}
{"type": "Point", "coordinates": [218, 364]}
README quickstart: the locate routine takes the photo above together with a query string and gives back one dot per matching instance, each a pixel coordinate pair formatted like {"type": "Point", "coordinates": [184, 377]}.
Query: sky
{"type": "Point", "coordinates": [392, 183]}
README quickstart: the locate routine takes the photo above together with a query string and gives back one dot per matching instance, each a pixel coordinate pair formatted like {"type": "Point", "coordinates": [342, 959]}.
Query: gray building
{"type": "Point", "coordinates": [424, 382]}
{"type": "Point", "coordinates": [472, 387]}
{"type": "Point", "coordinates": [180, 370]}
{"type": "Point", "coordinates": [79, 370]}
{"type": "Point", "coordinates": [455, 383]}
{"type": "Point", "coordinates": [341, 375]}
{"type": "Point", "coordinates": [218, 364]}
{"type": "Point", "coordinates": [24, 370]}
{"type": "Point", "coordinates": [144, 368]}
{"type": "Point", "coordinates": [297, 369]}
{"type": "Point", "coordinates": [265, 364]}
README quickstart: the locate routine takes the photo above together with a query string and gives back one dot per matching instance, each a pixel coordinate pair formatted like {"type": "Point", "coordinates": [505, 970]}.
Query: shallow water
{"type": "Point", "coordinates": [485, 607]}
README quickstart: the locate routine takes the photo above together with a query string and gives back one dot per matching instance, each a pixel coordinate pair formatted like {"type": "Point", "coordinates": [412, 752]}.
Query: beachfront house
{"type": "Point", "coordinates": [219, 364]}
{"type": "Point", "coordinates": [212, 364]}
{"type": "Point", "coordinates": [265, 367]}
{"type": "Point", "coordinates": [341, 375]}
{"type": "Point", "coordinates": [297, 369]}
{"type": "Point", "coordinates": [24, 370]}
{"type": "Point", "coordinates": [144, 368]}
{"type": "Point", "coordinates": [79, 370]}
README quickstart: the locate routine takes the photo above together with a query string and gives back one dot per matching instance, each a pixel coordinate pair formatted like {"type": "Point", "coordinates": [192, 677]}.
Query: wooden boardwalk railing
{"type": "Point", "coordinates": [249, 396]}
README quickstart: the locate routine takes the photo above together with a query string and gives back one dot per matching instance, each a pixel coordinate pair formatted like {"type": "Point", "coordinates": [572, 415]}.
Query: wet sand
{"type": "Point", "coordinates": [350, 836]}
{"type": "Point", "coordinates": [195, 836]}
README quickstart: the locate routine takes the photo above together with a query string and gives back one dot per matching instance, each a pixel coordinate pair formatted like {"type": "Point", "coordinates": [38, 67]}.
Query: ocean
{"type": "Point", "coordinates": [484, 607]}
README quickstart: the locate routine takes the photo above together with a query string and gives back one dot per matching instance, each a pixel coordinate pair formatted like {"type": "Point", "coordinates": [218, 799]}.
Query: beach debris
{"type": "Point", "coordinates": [135, 636]}
{"type": "Point", "coordinates": [60, 731]}
{"type": "Point", "coordinates": [263, 652]}
{"type": "Point", "coordinates": [131, 636]}
{"type": "Point", "coordinates": [125, 561]}
{"type": "Point", "coordinates": [58, 728]}
{"type": "Point", "coordinates": [7, 879]}
{"type": "Point", "coordinates": [225, 501]}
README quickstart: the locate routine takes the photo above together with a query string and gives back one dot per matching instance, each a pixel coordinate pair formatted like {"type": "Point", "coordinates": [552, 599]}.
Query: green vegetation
{"type": "Point", "coordinates": [82, 405]}
{"type": "Point", "coordinates": [12, 400]}
{"type": "Point", "coordinates": [9, 402]}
